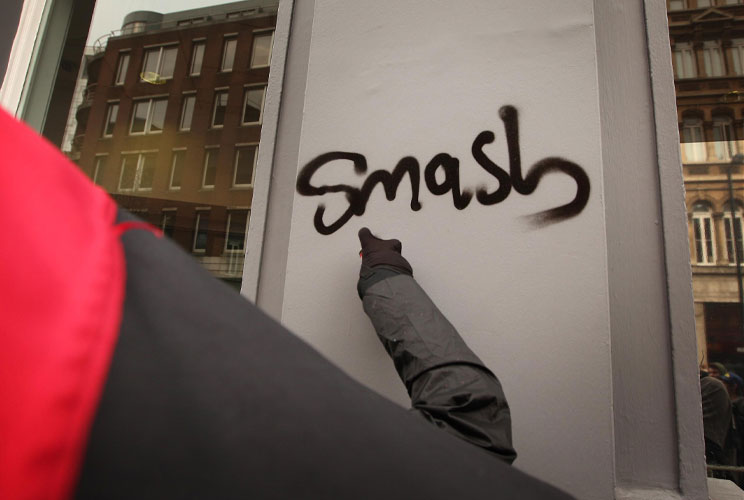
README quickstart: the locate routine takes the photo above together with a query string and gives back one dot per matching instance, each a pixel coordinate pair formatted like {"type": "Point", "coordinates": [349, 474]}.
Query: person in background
{"type": "Point", "coordinates": [448, 384]}
{"type": "Point", "coordinates": [717, 423]}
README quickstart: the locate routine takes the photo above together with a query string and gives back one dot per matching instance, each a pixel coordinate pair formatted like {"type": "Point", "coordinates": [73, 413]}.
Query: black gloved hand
{"type": "Point", "coordinates": [376, 252]}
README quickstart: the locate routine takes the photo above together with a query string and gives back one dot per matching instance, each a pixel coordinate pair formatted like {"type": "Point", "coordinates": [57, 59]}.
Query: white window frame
{"type": "Point", "coordinates": [208, 150]}
{"type": "Point", "coordinates": [221, 90]}
{"type": "Point", "coordinates": [138, 172]}
{"type": "Point", "coordinates": [725, 146]}
{"type": "Point", "coordinates": [737, 55]}
{"type": "Point", "coordinates": [199, 212]}
{"type": "Point", "coordinates": [684, 54]}
{"type": "Point", "coordinates": [713, 59]}
{"type": "Point", "coordinates": [159, 65]}
{"type": "Point", "coordinates": [171, 187]}
{"type": "Point", "coordinates": [97, 167]}
{"type": "Point", "coordinates": [121, 73]}
{"type": "Point", "coordinates": [729, 233]}
{"type": "Point", "coordinates": [167, 212]}
{"type": "Point", "coordinates": [238, 147]}
{"type": "Point", "coordinates": [683, 7]}
{"type": "Point", "coordinates": [197, 42]}
{"type": "Point", "coordinates": [230, 212]}
{"type": "Point", "coordinates": [698, 224]}
{"type": "Point", "coordinates": [109, 109]}
{"type": "Point", "coordinates": [695, 151]}
{"type": "Point", "coordinates": [246, 88]}
{"type": "Point", "coordinates": [185, 97]}
{"type": "Point", "coordinates": [229, 37]}
{"type": "Point", "coordinates": [148, 121]}
{"type": "Point", "coordinates": [257, 34]}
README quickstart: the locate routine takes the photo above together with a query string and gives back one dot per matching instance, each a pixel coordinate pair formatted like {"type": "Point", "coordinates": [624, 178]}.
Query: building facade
{"type": "Point", "coordinates": [707, 41]}
{"type": "Point", "coordinates": [171, 120]}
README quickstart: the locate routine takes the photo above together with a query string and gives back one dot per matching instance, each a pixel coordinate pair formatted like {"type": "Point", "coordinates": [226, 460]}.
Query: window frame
{"type": "Point", "coordinates": [174, 155]}
{"type": "Point", "coordinates": [122, 68]}
{"type": "Point", "coordinates": [682, 50]}
{"type": "Point", "coordinates": [238, 148]}
{"type": "Point", "coordinates": [246, 89]}
{"type": "Point", "coordinates": [208, 150]}
{"type": "Point", "coordinates": [97, 167]}
{"type": "Point", "coordinates": [167, 212]}
{"type": "Point", "coordinates": [110, 106]}
{"type": "Point", "coordinates": [228, 38]}
{"type": "Point", "coordinates": [218, 92]}
{"type": "Point", "coordinates": [185, 97]}
{"type": "Point", "coordinates": [712, 57]}
{"type": "Point", "coordinates": [259, 34]}
{"type": "Point", "coordinates": [730, 232]}
{"type": "Point", "coordinates": [138, 170]}
{"type": "Point", "coordinates": [695, 151]}
{"type": "Point", "coordinates": [148, 121]}
{"type": "Point", "coordinates": [230, 212]}
{"type": "Point", "coordinates": [724, 126]}
{"type": "Point", "coordinates": [699, 217]}
{"type": "Point", "coordinates": [161, 49]}
{"type": "Point", "coordinates": [197, 219]}
{"type": "Point", "coordinates": [202, 43]}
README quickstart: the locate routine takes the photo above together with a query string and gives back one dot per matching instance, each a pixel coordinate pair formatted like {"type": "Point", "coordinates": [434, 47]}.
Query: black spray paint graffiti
{"type": "Point", "coordinates": [525, 185]}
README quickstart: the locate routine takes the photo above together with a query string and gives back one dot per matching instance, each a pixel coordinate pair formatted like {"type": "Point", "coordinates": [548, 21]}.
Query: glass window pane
{"type": "Point", "coordinates": [157, 121]}
{"type": "Point", "coordinates": [261, 54]}
{"type": "Point", "coordinates": [187, 112]}
{"type": "Point", "coordinates": [210, 168]}
{"type": "Point", "coordinates": [152, 57]}
{"type": "Point", "coordinates": [111, 113]}
{"type": "Point", "coordinates": [228, 54]}
{"type": "Point", "coordinates": [197, 57]}
{"type": "Point", "coordinates": [100, 170]}
{"type": "Point", "coordinates": [128, 172]}
{"type": "Point", "coordinates": [254, 97]}
{"type": "Point", "coordinates": [139, 116]}
{"type": "Point", "coordinates": [201, 231]}
{"type": "Point", "coordinates": [147, 170]}
{"type": "Point", "coordinates": [237, 225]}
{"type": "Point", "coordinates": [168, 223]}
{"type": "Point", "coordinates": [168, 62]}
{"type": "Point", "coordinates": [121, 70]}
{"type": "Point", "coordinates": [220, 106]}
{"type": "Point", "coordinates": [177, 168]}
{"type": "Point", "coordinates": [244, 161]}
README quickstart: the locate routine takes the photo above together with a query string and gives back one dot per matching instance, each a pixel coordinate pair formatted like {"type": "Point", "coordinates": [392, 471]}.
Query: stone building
{"type": "Point", "coordinates": [707, 41]}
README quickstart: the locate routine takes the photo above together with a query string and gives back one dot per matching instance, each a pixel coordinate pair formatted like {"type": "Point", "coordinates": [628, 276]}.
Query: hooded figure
{"type": "Point", "coordinates": [127, 371]}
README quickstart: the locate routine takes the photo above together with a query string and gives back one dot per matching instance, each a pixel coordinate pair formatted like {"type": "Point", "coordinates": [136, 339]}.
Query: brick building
{"type": "Point", "coordinates": [171, 120]}
{"type": "Point", "coordinates": [707, 41]}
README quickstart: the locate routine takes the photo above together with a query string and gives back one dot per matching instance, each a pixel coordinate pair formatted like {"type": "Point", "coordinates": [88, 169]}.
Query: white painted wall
{"type": "Point", "coordinates": [419, 78]}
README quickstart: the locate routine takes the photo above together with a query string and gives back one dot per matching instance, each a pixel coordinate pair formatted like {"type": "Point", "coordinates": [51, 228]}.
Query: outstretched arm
{"type": "Point", "coordinates": [448, 384]}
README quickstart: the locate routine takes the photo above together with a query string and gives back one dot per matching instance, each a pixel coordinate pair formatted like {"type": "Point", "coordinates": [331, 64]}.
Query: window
{"type": "Point", "coordinates": [737, 231]}
{"type": "Point", "coordinates": [253, 104]}
{"type": "Point", "coordinates": [261, 53]}
{"type": "Point", "coordinates": [237, 225]}
{"type": "Point", "coordinates": [187, 111]}
{"type": "Point", "coordinates": [121, 68]}
{"type": "Point", "coordinates": [692, 140]}
{"type": "Point", "coordinates": [245, 165]}
{"type": "Point", "coordinates": [99, 169]}
{"type": "Point", "coordinates": [201, 231]}
{"type": "Point", "coordinates": [702, 226]}
{"type": "Point", "coordinates": [137, 171]}
{"type": "Point", "coordinates": [168, 222]}
{"type": "Point", "coordinates": [148, 117]}
{"type": "Point", "coordinates": [703, 3]}
{"type": "Point", "coordinates": [177, 161]}
{"type": "Point", "coordinates": [724, 144]}
{"type": "Point", "coordinates": [220, 106]}
{"type": "Point", "coordinates": [737, 55]}
{"type": "Point", "coordinates": [210, 167]}
{"type": "Point", "coordinates": [712, 59]}
{"type": "Point", "coordinates": [197, 56]}
{"type": "Point", "coordinates": [684, 60]}
{"type": "Point", "coordinates": [676, 4]}
{"type": "Point", "coordinates": [112, 111]}
{"type": "Point", "coordinates": [160, 61]}
{"type": "Point", "coordinates": [228, 53]}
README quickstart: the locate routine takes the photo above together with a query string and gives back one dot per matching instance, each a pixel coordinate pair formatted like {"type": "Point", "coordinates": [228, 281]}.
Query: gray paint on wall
{"type": "Point", "coordinates": [10, 13]}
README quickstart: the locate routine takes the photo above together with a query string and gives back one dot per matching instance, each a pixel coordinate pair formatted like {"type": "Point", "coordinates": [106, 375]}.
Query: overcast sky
{"type": "Point", "coordinates": [109, 14]}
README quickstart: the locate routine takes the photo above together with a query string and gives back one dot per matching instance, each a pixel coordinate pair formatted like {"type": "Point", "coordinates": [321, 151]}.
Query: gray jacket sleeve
{"type": "Point", "coordinates": [448, 384]}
